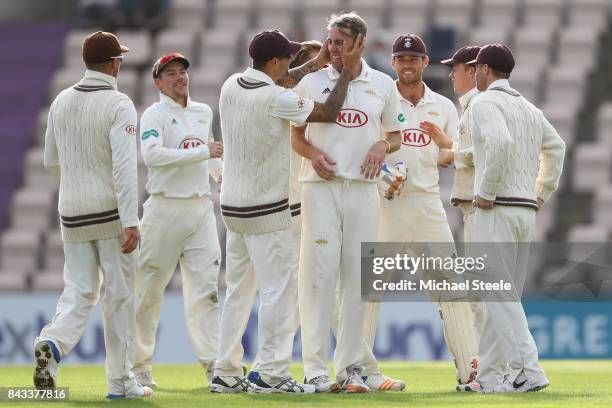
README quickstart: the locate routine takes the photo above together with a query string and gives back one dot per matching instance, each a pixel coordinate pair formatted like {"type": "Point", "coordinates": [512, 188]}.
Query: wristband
{"type": "Point", "coordinates": [388, 145]}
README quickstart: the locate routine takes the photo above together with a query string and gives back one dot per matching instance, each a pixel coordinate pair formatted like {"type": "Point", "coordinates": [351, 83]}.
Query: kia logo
{"type": "Point", "coordinates": [415, 137]}
{"type": "Point", "coordinates": [351, 118]}
{"type": "Point", "coordinates": [190, 142]}
{"type": "Point", "coordinates": [131, 129]}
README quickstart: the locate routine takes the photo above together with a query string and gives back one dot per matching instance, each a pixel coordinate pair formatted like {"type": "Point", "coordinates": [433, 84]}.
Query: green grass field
{"type": "Point", "coordinates": [573, 384]}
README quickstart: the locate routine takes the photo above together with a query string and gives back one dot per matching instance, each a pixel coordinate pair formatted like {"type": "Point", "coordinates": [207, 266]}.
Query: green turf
{"type": "Point", "coordinates": [573, 384]}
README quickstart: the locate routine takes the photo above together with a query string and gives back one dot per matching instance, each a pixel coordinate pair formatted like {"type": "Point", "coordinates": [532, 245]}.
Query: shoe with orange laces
{"type": "Point", "coordinates": [380, 382]}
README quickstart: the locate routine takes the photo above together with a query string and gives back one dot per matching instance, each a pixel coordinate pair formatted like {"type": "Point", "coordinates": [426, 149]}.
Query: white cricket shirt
{"type": "Point", "coordinates": [370, 109]}
{"type": "Point", "coordinates": [419, 152]}
{"type": "Point", "coordinates": [173, 143]}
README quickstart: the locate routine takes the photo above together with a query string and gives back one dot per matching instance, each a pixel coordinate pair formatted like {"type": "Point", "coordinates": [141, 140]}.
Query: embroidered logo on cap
{"type": "Point", "coordinates": [408, 42]}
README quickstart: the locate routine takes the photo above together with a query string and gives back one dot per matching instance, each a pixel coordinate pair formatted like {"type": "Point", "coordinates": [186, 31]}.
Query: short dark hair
{"type": "Point", "coordinates": [499, 74]}
{"type": "Point", "coordinates": [97, 66]}
{"type": "Point", "coordinates": [351, 21]}
{"type": "Point", "coordinates": [259, 65]}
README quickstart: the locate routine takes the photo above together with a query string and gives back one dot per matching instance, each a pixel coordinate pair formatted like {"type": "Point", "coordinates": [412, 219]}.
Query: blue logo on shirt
{"type": "Point", "coordinates": [149, 133]}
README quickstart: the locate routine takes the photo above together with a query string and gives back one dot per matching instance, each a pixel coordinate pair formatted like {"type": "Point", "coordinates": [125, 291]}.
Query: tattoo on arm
{"type": "Point", "coordinates": [295, 75]}
{"type": "Point", "coordinates": [328, 111]}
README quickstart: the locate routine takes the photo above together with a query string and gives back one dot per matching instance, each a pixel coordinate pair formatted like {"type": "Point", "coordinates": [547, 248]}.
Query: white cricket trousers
{"type": "Point", "coordinates": [294, 270]}
{"type": "Point", "coordinates": [421, 218]}
{"type": "Point", "coordinates": [506, 343]}
{"type": "Point", "coordinates": [337, 216]}
{"type": "Point", "coordinates": [183, 231]}
{"type": "Point", "coordinates": [86, 266]}
{"type": "Point", "coordinates": [272, 274]}
{"type": "Point", "coordinates": [469, 211]}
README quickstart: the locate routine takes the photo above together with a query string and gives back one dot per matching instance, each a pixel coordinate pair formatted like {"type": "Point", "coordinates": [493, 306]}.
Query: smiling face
{"type": "Point", "coordinates": [173, 81]}
{"type": "Point", "coordinates": [409, 68]}
{"type": "Point", "coordinates": [337, 39]}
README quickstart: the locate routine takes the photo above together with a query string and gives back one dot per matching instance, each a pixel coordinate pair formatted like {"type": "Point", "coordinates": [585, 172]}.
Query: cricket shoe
{"type": "Point", "coordinates": [522, 384]}
{"type": "Point", "coordinates": [322, 383]}
{"type": "Point", "coordinates": [380, 382]}
{"type": "Point", "coordinates": [136, 390]}
{"type": "Point", "coordinates": [47, 365]}
{"type": "Point", "coordinates": [230, 384]}
{"type": "Point", "coordinates": [253, 377]}
{"type": "Point", "coordinates": [288, 385]}
{"type": "Point", "coordinates": [469, 387]}
{"type": "Point", "coordinates": [146, 378]}
{"type": "Point", "coordinates": [354, 383]}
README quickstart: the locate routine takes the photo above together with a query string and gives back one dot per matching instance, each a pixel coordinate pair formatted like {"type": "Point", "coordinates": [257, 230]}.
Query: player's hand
{"type": "Point", "coordinates": [436, 134]}
{"type": "Point", "coordinates": [480, 202]}
{"type": "Point", "coordinates": [215, 149]}
{"type": "Point", "coordinates": [540, 203]}
{"type": "Point", "coordinates": [131, 237]}
{"type": "Point", "coordinates": [374, 160]}
{"type": "Point", "coordinates": [323, 57]}
{"type": "Point", "coordinates": [323, 165]}
{"type": "Point", "coordinates": [445, 158]}
{"type": "Point", "coordinates": [351, 58]}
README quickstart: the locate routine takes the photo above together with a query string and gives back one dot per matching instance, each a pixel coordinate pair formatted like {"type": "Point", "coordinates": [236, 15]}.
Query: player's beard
{"type": "Point", "coordinates": [415, 80]}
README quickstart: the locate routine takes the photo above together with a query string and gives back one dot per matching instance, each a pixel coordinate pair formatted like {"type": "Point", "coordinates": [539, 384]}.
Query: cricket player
{"type": "Point", "coordinates": [308, 51]}
{"type": "Point", "coordinates": [340, 204]}
{"type": "Point", "coordinates": [91, 141]}
{"type": "Point", "coordinates": [519, 158]}
{"type": "Point", "coordinates": [423, 219]}
{"type": "Point", "coordinates": [460, 152]}
{"type": "Point", "coordinates": [255, 114]}
{"type": "Point", "coordinates": [178, 224]}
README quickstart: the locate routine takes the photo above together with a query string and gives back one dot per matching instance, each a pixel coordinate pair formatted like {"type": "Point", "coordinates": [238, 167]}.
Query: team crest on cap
{"type": "Point", "coordinates": [408, 42]}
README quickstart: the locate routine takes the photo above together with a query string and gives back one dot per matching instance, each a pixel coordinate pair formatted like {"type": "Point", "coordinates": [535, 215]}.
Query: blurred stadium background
{"type": "Point", "coordinates": [563, 50]}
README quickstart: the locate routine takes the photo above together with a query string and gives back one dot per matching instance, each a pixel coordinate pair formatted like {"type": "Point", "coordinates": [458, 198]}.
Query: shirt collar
{"type": "Point", "coordinates": [464, 100]}
{"type": "Point", "coordinates": [365, 74]}
{"type": "Point", "coordinates": [100, 76]}
{"type": "Point", "coordinates": [503, 83]}
{"type": "Point", "coordinates": [166, 99]}
{"type": "Point", "coordinates": [427, 95]}
{"type": "Point", "coordinates": [258, 75]}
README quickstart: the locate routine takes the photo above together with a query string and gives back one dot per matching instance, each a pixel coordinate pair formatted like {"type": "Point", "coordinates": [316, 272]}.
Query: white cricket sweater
{"type": "Point", "coordinates": [463, 181]}
{"type": "Point", "coordinates": [91, 136]}
{"type": "Point", "coordinates": [517, 153]}
{"type": "Point", "coordinates": [255, 116]}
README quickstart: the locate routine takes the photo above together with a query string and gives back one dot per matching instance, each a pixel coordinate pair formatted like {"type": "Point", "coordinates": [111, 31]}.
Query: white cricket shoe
{"type": "Point", "coordinates": [135, 390]}
{"type": "Point", "coordinates": [354, 383]}
{"type": "Point", "coordinates": [522, 384]}
{"type": "Point", "coordinates": [230, 384]}
{"type": "Point", "coordinates": [47, 365]}
{"type": "Point", "coordinates": [380, 382]}
{"type": "Point", "coordinates": [288, 385]}
{"type": "Point", "coordinates": [322, 383]}
{"type": "Point", "coordinates": [146, 378]}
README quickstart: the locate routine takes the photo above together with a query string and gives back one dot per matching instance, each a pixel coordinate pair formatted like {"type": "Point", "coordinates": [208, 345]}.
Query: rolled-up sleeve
{"type": "Point", "coordinates": [291, 106]}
